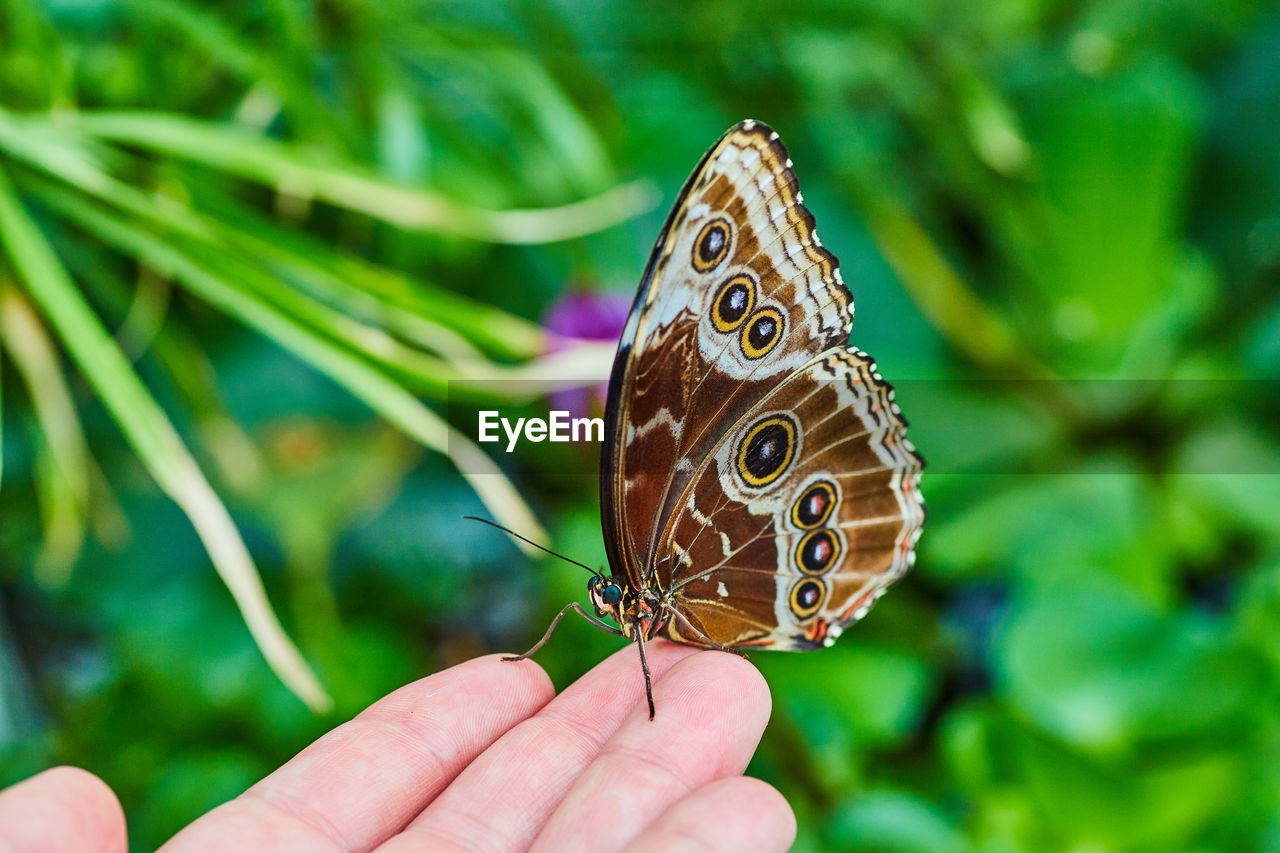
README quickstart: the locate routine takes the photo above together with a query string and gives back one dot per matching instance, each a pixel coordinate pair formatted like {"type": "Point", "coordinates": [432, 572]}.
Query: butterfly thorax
{"type": "Point", "coordinates": [640, 614]}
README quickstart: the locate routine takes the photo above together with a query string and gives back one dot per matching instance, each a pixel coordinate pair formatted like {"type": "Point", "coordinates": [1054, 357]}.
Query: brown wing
{"type": "Point", "coordinates": [802, 516]}
{"type": "Point", "coordinates": [738, 294]}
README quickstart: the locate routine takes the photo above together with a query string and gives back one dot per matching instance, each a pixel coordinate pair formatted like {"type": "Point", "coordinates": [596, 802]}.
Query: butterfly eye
{"type": "Point", "coordinates": [814, 506]}
{"type": "Point", "coordinates": [733, 302]}
{"type": "Point", "coordinates": [807, 597]}
{"type": "Point", "coordinates": [611, 594]}
{"type": "Point", "coordinates": [711, 245]}
{"type": "Point", "coordinates": [818, 551]}
{"type": "Point", "coordinates": [766, 451]}
{"type": "Point", "coordinates": [762, 333]}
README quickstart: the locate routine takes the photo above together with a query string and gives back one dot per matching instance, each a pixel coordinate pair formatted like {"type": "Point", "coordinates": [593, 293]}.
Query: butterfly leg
{"type": "Point", "coordinates": [556, 621]}
{"type": "Point", "coordinates": [648, 681]}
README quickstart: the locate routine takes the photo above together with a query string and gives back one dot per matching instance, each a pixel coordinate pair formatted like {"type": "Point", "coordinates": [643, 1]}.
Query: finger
{"type": "Point", "coordinates": [364, 780]}
{"type": "Point", "coordinates": [738, 813]}
{"type": "Point", "coordinates": [712, 709]}
{"type": "Point", "coordinates": [505, 797]}
{"type": "Point", "coordinates": [65, 808]}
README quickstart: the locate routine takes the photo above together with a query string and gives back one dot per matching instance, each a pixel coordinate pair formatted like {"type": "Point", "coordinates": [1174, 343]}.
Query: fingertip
{"type": "Point", "coordinates": [103, 814]}
{"type": "Point", "coordinates": [483, 679]}
{"type": "Point", "coordinates": [68, 808]}
{"type": "Point", "coordinates": [712, 681]}
{"type": "Point", "coordinates": [75, 780]}
{"type": "Point", "coordinates": [768, 802]}
{"type": "Point", "coordinates": [529, 674]}
{"type": "Point", "coordinates": [751, 685]}
{"type": "Point", "coordinates": [619, 678]}
{"type": "Point", "coordinates": [97, 806]}
{"type": "Point", "coordinates": [520, 682]}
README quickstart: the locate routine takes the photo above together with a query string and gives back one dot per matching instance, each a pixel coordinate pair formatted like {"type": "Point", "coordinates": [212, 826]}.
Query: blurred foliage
{"type": "Point", "coordinates": [258, 239]}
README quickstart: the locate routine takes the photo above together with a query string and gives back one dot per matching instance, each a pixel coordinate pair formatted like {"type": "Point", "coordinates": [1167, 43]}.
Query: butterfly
{"type": "Point", "coordinates": [757, 489]}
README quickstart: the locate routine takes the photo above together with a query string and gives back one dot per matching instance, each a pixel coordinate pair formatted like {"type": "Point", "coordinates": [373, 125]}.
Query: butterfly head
{"type": "Point", "coordinates": [606, 595]}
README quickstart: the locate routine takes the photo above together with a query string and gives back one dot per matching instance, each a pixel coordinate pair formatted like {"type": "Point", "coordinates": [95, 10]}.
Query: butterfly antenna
{"type": "Point", "coordinates": [511, 532]}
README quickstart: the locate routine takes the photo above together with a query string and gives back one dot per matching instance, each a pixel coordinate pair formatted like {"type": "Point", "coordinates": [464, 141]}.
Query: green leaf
{"type": "Point", "coordinates": [1093, 665]}
{"type": "Point", "coordinates": [1156, 801]}
{"type": "Point", "coordinates": [1112, 164]}
{"type": "Point", "coordinates": [894, 821]}
{"type": "Point", "coordinates": [878, 693]}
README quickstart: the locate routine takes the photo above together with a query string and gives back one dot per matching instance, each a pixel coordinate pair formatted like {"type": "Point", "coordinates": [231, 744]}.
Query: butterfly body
{"type": "Point", "coordinates": [638, 612]}
{"type": "Point", "coordinates": [757, 487]}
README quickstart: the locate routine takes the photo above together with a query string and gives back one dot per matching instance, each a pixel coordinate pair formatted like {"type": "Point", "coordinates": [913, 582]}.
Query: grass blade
{"type": "Point", "coordinates": [65, 462]}
{"type": "Point", "coordinates": [943, 296]}
{"type": "Point", "coordinates": [247, 155]}
{"type": "Point", "coordinates": [364, 381]}
{"type": "Point", "coordinates": [428, 315]}
{"type": "Point", "coordinates": [1, 419]}
{"type": "Point", "coordinates": [152, 437]}
{"type": "Point", "coordinates": [55, 151]}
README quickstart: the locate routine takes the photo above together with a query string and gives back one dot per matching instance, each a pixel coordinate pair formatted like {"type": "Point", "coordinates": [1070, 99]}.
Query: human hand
{"type": "Point", "coordinates": [481, 757]}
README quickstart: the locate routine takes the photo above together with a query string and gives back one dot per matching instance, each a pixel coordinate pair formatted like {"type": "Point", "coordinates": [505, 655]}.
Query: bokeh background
{"type": "Point", "coordinates": [247, 247]}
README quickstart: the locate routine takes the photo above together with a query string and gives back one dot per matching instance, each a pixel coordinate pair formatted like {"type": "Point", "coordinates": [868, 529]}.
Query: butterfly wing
{"type": "Point", "coordinates": [738, 294]}
{"type": "Point", "coordinates": [807, 510]}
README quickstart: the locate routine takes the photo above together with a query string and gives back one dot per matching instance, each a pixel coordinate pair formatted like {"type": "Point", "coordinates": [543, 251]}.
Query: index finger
{"type": "Point", "coordinates": [363, 781]}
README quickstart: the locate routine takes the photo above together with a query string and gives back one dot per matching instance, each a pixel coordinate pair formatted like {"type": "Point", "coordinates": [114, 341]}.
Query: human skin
{"type": "Point", "coordinates": [485, 757]}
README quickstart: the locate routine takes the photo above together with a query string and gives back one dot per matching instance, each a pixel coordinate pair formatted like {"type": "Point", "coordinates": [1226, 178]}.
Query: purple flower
{"type": "Point", "coordinates": [584, 316]}
{"type": "Point", "coordinates": [587, 316]}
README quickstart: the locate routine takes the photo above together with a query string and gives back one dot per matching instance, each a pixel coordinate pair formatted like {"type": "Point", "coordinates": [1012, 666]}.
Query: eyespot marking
{"type": "Point", "coordinates": [807, 596]}
{"type": "Point", "coordinates": [766, 451]}
{"type": "Point", "coordinates": [762, 333]}
{"type": "Point", "coordinates": [733, 302]}
{"type": "Point", "coordinates": [818, 551]}
{"type": "Point", "coordinates": [814, 506]}
{"type": "Point", "coordinates": [711, 246]}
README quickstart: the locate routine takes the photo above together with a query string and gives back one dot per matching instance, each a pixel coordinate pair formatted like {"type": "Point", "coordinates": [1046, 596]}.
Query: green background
{"type": "Point", "coordinates": [280, 228]}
